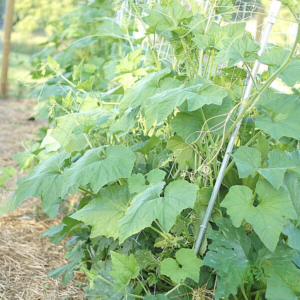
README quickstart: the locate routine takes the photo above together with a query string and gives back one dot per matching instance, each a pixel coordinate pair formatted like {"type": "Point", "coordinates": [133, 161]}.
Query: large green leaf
{"type": "Point", "coordinates": [146, 87]}
{"type": "Point", "coordinates": [268, 217]}
{"type": "Point", "coordinates": [103, 213]}
{"type": "Point", "coordinates": [161, 105]}
{"type": "Point", "coordinates": [292, 184]}
{"type": "Point", "coordinates": [276, 57]}
{"type": "Point", "coordinates": [44, 180]}
{"type": "Point", "coordinates": [249, 160]}
{"type": "Point", "coordinates": [216, 34]}
{"type": "Point", "coordinates": [189, 125]}
{"type": "Point", "coordinates": [283, 116]}
{"type": "Point", "coordinates": [98, 167]}
{"type": "Point", "coordinates": [66, 125]}
{"type": "Point", "coordinates": [109, 27]}
{"type": "Point", "coordinates": [280, 273]}
{"type": "Point", "coordinates": [238, 50]}
{"type": "Point", "coordinates": [158, 20]}
{"type": "Point", "coordinates": [184, 152]}
{"type": "Point", "coordinates": [293, 234]}
{"type": "Point", "coordinates": [125, 123]}
{"type": "Point", "coordinates": [101, 288]}
{"type": "Point", "coordinates": [146, 259]}
{"type": "Point", "coordinates": [149, 205]}
{"type": "Point", "coordinates": [186, 265]}
{"type": "Point", "coordinates": [124, 269]}
{"type": "Point", "coordinates": [198, 24]}
{"type": "Point", "coordinates": [228, 257]}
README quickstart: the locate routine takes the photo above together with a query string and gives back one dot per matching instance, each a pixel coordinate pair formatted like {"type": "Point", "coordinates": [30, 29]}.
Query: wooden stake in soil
{"type": "Point", "coordinates": [6, 45]}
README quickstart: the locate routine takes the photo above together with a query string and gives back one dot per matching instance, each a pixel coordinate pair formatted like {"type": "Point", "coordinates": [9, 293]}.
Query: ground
{"type": "Point", "coordinates": [25, 257]}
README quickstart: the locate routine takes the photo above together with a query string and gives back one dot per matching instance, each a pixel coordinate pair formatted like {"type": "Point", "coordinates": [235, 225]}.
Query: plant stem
{"type": "Point", "coordinates": [159, 232]}
{"type": "Point", "coordinates": [183, 227]}
{"type": "Point", "coordinates": [211, 64]}
{"type": "Point", "coordinates": [244, 292]}
{"type": "Point", "coordinates": [172, 290]}
{"type": "Point", "coordinates": [143, 286]}
{"type": "Point", "coordinates": [87, 191]}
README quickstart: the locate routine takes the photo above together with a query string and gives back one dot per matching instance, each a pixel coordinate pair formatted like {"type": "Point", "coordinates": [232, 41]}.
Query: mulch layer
{"type": "Point", "coordinates": [25, 257]}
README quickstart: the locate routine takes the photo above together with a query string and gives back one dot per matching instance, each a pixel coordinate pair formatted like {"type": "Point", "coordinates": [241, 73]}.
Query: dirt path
{"type": "Point", "coordinates": [25, 257]}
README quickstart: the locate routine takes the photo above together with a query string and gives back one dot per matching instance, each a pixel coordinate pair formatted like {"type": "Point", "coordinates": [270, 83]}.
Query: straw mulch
{"type": "Point", "coordinates": [25, 257]}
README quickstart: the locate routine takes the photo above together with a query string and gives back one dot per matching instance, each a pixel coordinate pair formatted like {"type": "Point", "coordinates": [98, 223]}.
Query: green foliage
{"type": "Point", "coordinates": [186, 265]}
{"type": "Point", "coordinates": [139, 136]}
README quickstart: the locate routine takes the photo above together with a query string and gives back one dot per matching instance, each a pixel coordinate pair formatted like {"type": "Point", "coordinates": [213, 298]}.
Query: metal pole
{"type": "Point", "coordinates": [273, 14]}
{"type": "Point", "coordinates": [6, 45]}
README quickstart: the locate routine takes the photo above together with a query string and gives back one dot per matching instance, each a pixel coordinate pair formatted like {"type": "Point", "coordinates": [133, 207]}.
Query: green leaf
{"type": "Point", "coordinates": [76, 255]}
{"type": "Point", "coordinates": [44, 180]}
{"type": "Point", "coordinates": [189, 125]}
{"type": "Point", "coordinates": [292, 184]}
{"type": "Point", "coordinates": [64, 132]}
{"type": "Point", "coordinates": [25, 160]}
{"type": "Point", "coordinates": [146, 260]}
{"type": "Point", "coordinates": [147, 146]}
{"type": "Point", "coordinates": [158, 20]}
{"type": "Point", "coordinates": [6, 173]}
{"type": "Point", "coordinates": [198, 24]}
{"type": "Point", "coordinates": [77, 70]}
{"type": "Point", "coordinates": [268, 217]}
{"type": "Point", "coordinates": [125, 123]}
{"type": "Point", "coordinates": [103, 213]}
{"type": "Point", "coordinates": [124, 269]}
{"type": "Point", "coordinates": [227, 255]}
{"type": "Point", "coordinates": [284, 119]}
{"type": "Point", "coordinates": [156, 175]}
{"type": "Point", "coordinates": [186, 265]}
{"type": "Point", "coordinates": [161, 105]}
{"type": "Point", "coordinates": [146, 87]}
{"type": "Point", "coordinates": [101, 288]}
{"type": "Point", "coordinates": [129, 62]}
{"type": "Point", "coordinates": [86, 85]}
{"type": "Point", "coordinates": [136, 183]}
{"type": "Point", "coordinates": [184, 152]}
{"type": "Point", "coordinates": [98, 167]}
{"type": "Point", "coordinates": [238, 50]}
{"type": "Point", "coordinates": [109, 27]}
{"type": "Point", "coordinates": [293, 234]}
{"type": "Point", "coordinates": [58, 232]}
{"type": "Point", "coordinates": [277, 164]}
{"type": "Point", "coordinates": [67, 101]}
{"type": "Point", "coordinates": [280, 273]}
{"type": "Point", "coordinates": [216, 34]}
{"type": "Point", "coordinates": [52, 63]}
{"type": "Point", "coordinates": [276, 57]}
{"type": "Point", "coordinates": [149, 205]}
{"type": "Point", "coordinates": [248, 161]}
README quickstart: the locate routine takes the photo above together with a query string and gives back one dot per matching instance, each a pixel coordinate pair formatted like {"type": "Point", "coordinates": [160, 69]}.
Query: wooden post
{"type": "Point", "coordinates": [259, 17]}
{"type": "Point", "coordinates": [6, 45]}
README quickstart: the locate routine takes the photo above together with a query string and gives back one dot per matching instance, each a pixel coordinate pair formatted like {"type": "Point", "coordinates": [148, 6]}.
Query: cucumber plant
{"type": "Point", "coordinates": [143, 156]}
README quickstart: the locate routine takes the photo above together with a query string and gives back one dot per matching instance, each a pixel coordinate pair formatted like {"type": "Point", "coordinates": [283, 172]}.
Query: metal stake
{"type": "Point", "coordinates": [272, 16]}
